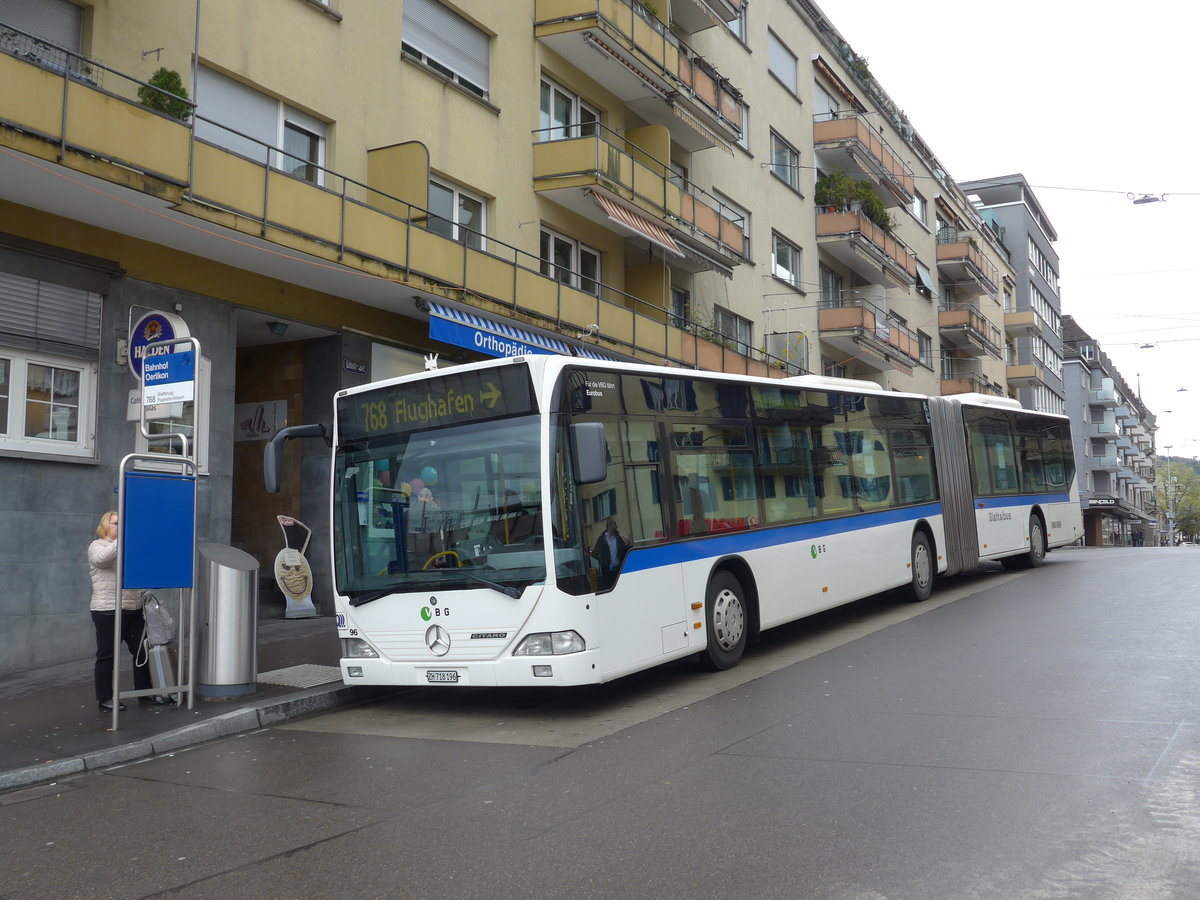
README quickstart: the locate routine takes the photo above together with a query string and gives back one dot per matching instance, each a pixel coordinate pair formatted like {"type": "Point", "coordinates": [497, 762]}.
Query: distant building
{"type": "Point", "coordinates": [1032, 305]}
{"type": "Point", "coordinates": [1114, 445]}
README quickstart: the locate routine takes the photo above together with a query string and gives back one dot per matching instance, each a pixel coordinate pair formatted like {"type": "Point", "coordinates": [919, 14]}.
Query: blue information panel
{"type": "Point", "coordinates": [158, 531]}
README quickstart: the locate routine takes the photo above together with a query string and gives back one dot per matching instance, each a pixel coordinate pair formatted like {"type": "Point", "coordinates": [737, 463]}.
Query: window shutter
{"type": "Point", "coordinates": [237, 107]}
{"type": "Point", "coordinates": [447, 38]}
{"type": "Point", "coordinates": [39, 315]}
{"type": "Point", "coordinates": [56, 21]}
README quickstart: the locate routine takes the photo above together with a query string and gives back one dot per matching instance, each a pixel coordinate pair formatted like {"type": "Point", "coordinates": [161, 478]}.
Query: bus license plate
{"type": "Point", "coordinates": [436, 676]}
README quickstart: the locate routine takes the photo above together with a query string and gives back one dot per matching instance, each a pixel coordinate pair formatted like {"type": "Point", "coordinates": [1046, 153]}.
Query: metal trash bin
{"type": "Point", "coordinates": [227, 638]}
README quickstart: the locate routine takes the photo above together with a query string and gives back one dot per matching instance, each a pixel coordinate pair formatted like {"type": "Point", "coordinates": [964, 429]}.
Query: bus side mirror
{"type": "Point", "coordinates": [589, 452]}
{"type": "Point", "coordinates": [273, 452]}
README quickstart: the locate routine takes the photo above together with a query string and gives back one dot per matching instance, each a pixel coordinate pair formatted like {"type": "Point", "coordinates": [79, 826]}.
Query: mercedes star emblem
{"type": "Point", "coordinates": [437, 639]}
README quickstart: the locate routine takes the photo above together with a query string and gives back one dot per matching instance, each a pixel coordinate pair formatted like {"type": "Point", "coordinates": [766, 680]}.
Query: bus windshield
{"type": "Point", "coordinates": [446, 508]}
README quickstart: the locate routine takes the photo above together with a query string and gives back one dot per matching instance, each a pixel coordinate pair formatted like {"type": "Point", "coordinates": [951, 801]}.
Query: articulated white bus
{"type": "Point", "coordinates": [471, 510]}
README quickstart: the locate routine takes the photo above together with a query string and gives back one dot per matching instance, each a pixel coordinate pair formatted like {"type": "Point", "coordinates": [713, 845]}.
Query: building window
{"type": "Point", "coordinates": [242, 120]}
{"type": "Point", "coordinates": [301, 152]}
{"type": "Point", "coordinates": [785, 162]}
{"type": "Point", "coordinates": [831, 288]}
{"type": "Point", "coordinates": [733, 212]}
{"type": "Point", "coordinates": [785, 260]}
{"type": "Point", "coordinates": [733, 329]}
{"type": "Point", "coordinates": [832, 369]}
{"type": "Point", "coordinates": [570, 262]}
{"type": "Point", "coordinates": [743, 140]}
{"type": "Point", "coordinates": [47, 403]}
{"type": "Point", "coordinates": [456, 214]}
{"type": "Point", "coordinates": [824, 106]}
{"type": "Point", "coordinates": [448, 44]}
{"type": "Point", "coordinates": [51, 336]}
{"type": "Point", "coordinates": [781, 62]}
{"type": "Point", "coordinates": [681, 302]}
{"type": "Point", "coordinates": [925, 349]}
{"type": "Point", "coordinates": [918, 207]}
{"type": "Point", "coordinates": [738, 25]}
{"type": "Point", "coordinates": [563, 115]}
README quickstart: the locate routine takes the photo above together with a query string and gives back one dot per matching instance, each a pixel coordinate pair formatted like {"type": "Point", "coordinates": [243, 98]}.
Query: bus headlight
{"type": "Point", "coordinates": [551, 643]}
{"type": "Point", "coordinates": [357, 648]}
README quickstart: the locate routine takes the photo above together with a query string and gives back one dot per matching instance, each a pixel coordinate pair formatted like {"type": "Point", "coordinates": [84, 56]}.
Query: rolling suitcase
{"type": "Point", "coordinates": [162, 668]}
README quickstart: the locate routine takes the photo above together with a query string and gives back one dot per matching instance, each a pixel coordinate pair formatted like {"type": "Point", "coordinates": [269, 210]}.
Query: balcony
{"type": "Point", "coordinates": [131, 171]}
{"type": "Point", "coordinates": [1029, 375]}
{"type": "Point", "coordinates": [1105, 463]}
{"type": "Point", "coordinates": [969, 331]}
{"type": "Point", "coordinates": [852, 144]}
{"type": "Point", "coordinates": [696, 15]}
{"type": "Point", "coordinates": [965, 265]}
{"type": "Point", "coordinates": [1105, 430]}
{"type": "Point", "coordinates": [594, 173]}
{"type": "Point", "coordinates": [1022, 323]}
{"type": "Point", "coordinates": [954, 382]}
{"type": "Point", "coordinates": [1106, 397]}
{"type": "Point", "coordinates": [632, 53]}
{"type": "Point", "coordinates": [861, 245]}
{"type": "Point", "coordinates": [864, 333]}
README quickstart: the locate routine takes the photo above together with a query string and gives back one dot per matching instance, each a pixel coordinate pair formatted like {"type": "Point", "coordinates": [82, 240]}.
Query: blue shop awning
{"type": "Point", "coordinates": [589, 353]}
{"type": "Point", "coordinates": [475, 332]}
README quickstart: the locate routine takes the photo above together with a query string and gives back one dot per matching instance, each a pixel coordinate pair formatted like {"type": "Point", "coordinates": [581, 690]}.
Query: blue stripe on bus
{"type": "Point", "coordinates": [1020, 500]}
{"type": "Point", "coordinates": [759, 538]}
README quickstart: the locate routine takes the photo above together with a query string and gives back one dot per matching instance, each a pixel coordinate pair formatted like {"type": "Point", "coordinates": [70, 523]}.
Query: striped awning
{"type": "Point", "coordinates": [636, 223]}
{"type": "Point", "coordinates": [589, 353]}
{"type": "Point", "coordinates": [476, 332]}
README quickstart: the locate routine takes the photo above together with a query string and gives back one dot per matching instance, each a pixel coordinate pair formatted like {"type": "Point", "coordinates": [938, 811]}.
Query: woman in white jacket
{"type": "Point", "coordinates": [102, 564]}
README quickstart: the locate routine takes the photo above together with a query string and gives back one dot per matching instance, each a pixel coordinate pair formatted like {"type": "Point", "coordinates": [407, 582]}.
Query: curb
{"type": "Point", "coordinates": [270, 712]}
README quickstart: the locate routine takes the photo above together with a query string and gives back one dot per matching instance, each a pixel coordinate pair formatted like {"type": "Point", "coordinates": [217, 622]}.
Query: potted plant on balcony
{"type": "Point", "coordinates": [839, 192]}
{"type": "Point", "coordinates": [170, 97]}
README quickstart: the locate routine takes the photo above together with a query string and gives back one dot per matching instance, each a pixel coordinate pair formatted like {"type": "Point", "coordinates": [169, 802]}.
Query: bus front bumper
{"type": "Point", "coordinates": [512, 671]}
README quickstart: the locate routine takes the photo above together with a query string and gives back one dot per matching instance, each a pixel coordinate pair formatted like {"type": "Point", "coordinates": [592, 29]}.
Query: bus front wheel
{"type": "Point", "coordinates": [922, 567]}
{"type": "Point", "coordinates": [726, 620]}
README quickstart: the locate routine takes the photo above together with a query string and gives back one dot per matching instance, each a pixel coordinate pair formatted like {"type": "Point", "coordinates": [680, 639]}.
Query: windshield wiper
{"type": "Point", "coordinates": [505, 589]}
{"type": "Point", "coordinates": [358, 598]}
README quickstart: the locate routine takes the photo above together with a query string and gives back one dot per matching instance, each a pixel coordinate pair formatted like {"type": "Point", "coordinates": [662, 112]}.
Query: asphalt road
{"type": "Point", "coordinates": [1028, 735]}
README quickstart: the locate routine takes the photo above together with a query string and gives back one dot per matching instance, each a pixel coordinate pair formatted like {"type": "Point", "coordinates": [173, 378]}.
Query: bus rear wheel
{"type": "Point", "coordinates": [726, 621]}
{"type": "Point", "coordinates": [921, 585]}
{"type": "Point", "coordinates": [1037, 548]}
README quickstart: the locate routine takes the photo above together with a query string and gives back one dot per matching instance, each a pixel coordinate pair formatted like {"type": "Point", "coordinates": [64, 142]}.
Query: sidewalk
{"type": "Point", "coordinates": [50, 727]}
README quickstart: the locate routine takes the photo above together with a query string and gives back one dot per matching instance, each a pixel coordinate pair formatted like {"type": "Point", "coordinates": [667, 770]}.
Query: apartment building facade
{"type": "Point", "coordinates": [1114, 445]}
{"type": "Point", "coordinates": [701, 183]}
{"type": "Point", "coordinates": [1033, 306]}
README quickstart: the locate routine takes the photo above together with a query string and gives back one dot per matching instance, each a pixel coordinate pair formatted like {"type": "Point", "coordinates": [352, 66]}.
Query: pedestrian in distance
{"type": "Point", "coordinates": [609, 553]}
{"type": "Point", "coordinates": [102, 565]}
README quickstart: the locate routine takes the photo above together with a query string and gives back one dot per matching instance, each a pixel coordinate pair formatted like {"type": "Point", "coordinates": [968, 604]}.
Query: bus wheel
{"type": "Point", "coordinates": [1037, 548]}
{"type": "Point", "coordinates": [1037, 542]}
{"type": "Point", "coordinates": [922, 568]}
{"type": "Point", "coordinates": [725, 616]}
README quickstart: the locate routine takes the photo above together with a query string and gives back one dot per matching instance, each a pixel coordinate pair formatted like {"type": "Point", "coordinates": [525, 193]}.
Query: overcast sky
{"type": "Point", "coordinates": [1089, 102]}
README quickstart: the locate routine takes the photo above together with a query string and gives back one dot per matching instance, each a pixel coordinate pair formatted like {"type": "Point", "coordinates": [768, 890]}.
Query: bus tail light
{"type": "Point", "coordinates": [551, 643]}
{"type": "Point", "coordinates": [357, 648]}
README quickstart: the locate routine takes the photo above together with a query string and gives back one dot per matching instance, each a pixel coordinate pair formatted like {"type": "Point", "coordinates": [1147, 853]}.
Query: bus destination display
{"type": "Point", "coordinates": [451, 399]}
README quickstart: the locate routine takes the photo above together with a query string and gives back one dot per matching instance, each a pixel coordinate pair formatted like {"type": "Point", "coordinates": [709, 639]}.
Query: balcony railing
{"type": "Point", "coordinates": [53, 115]}
{"type": "Point", "coordinates": [862, 324]}
{"type": "Point", "coordinates": [628, 35]}
{"type": "Point", "coordinates": [968, 383]}
{"type": "Point", "coordinates": [849, 228]}
{"type": "Point", "coordinates": [969, 330]}
{"type": "Point", "coordinates": [966, 263]}
{"type": "Point", "coordinates": [601, 156]}
{"type": "Point", "coordinates": [1105, 397]}
{"type": "Point", "coordinates": [856, 133]}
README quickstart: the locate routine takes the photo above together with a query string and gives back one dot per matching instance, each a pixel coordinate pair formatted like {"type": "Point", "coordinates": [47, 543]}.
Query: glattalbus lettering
{"type": "Point", "coordinates": [420, 412]}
